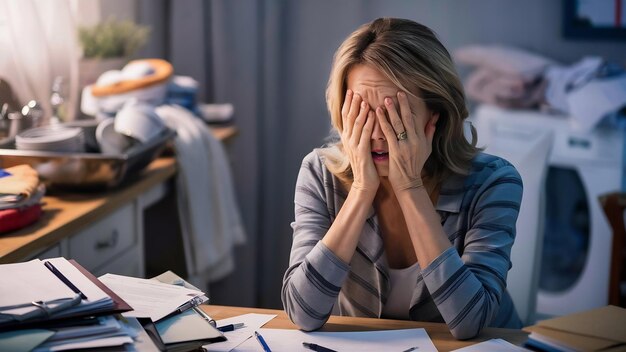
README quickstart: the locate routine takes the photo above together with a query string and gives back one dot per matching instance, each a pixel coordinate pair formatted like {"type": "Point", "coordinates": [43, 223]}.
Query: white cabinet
{"type": "Point", "coordinates": [113, 243]}
{"type": "Point", "coordinates": [101, 243]}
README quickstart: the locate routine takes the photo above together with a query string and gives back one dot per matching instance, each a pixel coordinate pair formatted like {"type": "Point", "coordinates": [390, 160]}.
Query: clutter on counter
{"type": "Point", "coordinates": [20, 197]}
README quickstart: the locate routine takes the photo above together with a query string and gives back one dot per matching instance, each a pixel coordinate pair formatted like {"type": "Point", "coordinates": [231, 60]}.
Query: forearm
{"type": "Point", "coordinates": [424, 225]}
{"type": "Point", "coordinates": [311, 286]}
{"type": "Point", "coordinates": [343, 235]}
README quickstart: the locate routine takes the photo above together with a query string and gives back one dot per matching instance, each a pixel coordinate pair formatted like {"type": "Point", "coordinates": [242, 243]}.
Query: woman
{"type": "Point", "coordinates": [402, 217]}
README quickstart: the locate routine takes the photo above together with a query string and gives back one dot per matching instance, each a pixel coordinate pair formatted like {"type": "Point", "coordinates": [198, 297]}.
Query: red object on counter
{"type": "Point", "coordinates": [14, 219]}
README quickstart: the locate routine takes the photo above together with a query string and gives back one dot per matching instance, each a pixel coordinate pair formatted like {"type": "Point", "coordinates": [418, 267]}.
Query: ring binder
{"type": "Point", "coordinates": [45, 309]}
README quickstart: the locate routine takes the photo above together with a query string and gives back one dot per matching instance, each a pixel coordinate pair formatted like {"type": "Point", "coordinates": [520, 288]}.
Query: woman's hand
{"type": "Point", "coordinates": [358, 124]}
{"type": "Point", "coordinates": [409, 144]}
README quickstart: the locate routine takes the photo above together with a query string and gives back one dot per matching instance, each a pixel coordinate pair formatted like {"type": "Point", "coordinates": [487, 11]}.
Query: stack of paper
{"type": "Point", "coordinates": [57, 305]}
{"type": "Point", "coordinates": [174, 320]}
{"type": "Point", "coordinates": [592, 330]}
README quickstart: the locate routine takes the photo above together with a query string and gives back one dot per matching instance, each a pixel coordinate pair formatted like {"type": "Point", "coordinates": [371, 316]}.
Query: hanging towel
{"type": "Point", "coordinates": [210, 219]}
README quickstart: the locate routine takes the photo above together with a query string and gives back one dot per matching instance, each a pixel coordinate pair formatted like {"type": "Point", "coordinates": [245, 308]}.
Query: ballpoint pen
{"type": "Point", "coordinates": [261, 340]}
{"type": "Point", "coordinates": [62, 277]}
{"type": "Point", "coordinates": [230, 327]}
{"type": "Point", "coordinates": [411, 349]}
{"type": "Point", "coordinates": [316, 347]}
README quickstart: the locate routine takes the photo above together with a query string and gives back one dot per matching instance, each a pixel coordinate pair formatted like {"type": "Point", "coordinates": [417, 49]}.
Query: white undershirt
{"type": "Point", "coordinates": [402, 283]}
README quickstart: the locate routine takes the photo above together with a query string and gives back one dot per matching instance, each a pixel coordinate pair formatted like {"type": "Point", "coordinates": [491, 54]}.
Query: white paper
{"type": "Point", "coordinates": [364, 341]}
{"type": "Point", "coordinates": [495, 345]}
{"type": "Point", "coordinates": [27, 282]}
{"type": "Point", "coordinates": [252, 321]}
{"type": "Point", "coordinates": [148, 298]}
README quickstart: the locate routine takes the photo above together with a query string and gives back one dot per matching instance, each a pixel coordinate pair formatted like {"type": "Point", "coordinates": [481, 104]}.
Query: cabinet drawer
{"type": "Point", "coordinates": [125, 264]}
{"type": "Point", "coordinates": [105, 239]}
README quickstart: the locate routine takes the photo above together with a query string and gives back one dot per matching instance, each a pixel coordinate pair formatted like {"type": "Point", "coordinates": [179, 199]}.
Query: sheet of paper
{"type": "Point", "coordinates": [493, 345]}
{"type": "Point", "coordinates": [363, 341]}
{"type": "Point", "coordinates": [27, 282]}
{"type": "Point", "coordinates": [148, 298]}
{"type": "Point", "coordinates": [252, 321]}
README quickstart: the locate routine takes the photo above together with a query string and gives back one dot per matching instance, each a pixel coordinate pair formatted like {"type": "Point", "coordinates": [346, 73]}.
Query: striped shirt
{"type": "Point", "coordinates": [465, 286]}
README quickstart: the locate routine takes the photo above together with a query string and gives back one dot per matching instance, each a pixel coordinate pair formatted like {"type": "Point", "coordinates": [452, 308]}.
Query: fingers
{"type": "Point", "coordinates": [345, 108]}
{"type": "Point", "coordinates": [394, 117]}
{"type": "Point", "coordinates": [367, 130]}
{"type": "Point", "coordinates": [359, 122]}
{"type": "Point", "coordinates": [352, 113]}
{"type": "Point", "coordinates": [405, 112]}
{"type": "Point", "coordinates": [388, 131]}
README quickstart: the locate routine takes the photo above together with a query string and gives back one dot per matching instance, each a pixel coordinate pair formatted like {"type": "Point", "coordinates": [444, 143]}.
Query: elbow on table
{"type": "Point", "coordinates": [465, 331]}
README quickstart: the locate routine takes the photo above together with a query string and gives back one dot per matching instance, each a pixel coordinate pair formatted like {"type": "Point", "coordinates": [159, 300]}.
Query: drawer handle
{"type": "Point", "coordinates": [108, 243]}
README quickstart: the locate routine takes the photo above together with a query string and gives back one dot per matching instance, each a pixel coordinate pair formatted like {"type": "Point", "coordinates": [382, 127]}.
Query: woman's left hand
{"type": "Point", "coordinates": [409, 144]}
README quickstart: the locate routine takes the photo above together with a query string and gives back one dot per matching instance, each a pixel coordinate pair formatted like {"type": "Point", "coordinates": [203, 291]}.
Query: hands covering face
{"type": "Point", "coordinates": [358, 123]}
{"type": "Point", "coordinates": [408, 142]}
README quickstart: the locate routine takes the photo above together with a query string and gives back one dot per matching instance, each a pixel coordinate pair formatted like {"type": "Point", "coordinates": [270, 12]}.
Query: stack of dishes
{"type": "Point", "coordinates": [53, 138]}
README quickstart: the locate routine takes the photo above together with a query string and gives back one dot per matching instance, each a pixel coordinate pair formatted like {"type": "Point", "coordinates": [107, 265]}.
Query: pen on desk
{"type": "Point", "coordinates": [62, 277]}
{"type": "Point", "coordinates": [230, 327]}
{"type": "Point", "coordinates": [316, 347]}
{"type": "Point", "coordinates": [261, 340]}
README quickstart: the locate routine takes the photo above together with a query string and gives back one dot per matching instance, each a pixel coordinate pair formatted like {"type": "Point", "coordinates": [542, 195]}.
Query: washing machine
{"type": "Point", "coordinates": [573, 252]}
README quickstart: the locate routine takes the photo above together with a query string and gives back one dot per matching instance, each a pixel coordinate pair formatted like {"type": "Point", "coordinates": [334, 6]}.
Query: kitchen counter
{"type": "Point", "coordinates": [67, 214]}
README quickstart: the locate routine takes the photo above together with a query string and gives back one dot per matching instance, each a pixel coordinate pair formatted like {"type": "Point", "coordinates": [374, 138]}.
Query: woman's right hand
{"type": "Point", "coordinates": [358, 124]}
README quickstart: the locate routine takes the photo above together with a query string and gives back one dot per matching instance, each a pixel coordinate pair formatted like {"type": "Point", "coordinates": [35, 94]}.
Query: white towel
{"type": "Point", "coordinates": [210, 219]}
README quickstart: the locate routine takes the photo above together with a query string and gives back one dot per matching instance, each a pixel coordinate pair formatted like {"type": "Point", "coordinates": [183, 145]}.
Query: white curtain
{"type": "Point", "coordinates": [38, 42]}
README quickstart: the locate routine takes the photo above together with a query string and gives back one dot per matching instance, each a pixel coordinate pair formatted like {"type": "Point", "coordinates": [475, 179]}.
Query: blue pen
{"type": "Point", "coordinates": [259, 338]}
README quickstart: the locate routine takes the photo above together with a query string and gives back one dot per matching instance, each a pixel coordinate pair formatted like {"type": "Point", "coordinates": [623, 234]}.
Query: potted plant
{"type": "Point", "coordinates": [108, 46]}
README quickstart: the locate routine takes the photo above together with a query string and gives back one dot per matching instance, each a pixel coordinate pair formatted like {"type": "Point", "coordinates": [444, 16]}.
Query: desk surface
{"type": "Point", "coordinates": [439, 333]}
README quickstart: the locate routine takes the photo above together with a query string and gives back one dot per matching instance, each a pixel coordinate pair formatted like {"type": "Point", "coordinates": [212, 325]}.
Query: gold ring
{"type": "Point", "coordinates": [401, 136]}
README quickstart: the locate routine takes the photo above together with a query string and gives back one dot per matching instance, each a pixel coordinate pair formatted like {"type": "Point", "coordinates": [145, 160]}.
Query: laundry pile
{"type": "Point", "coordinates": [20, 197]}
{"type": "Point", "coordinates": [591, 91]}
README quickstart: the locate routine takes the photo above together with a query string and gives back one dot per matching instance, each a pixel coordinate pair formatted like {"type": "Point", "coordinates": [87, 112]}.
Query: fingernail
{"type": "Point", "coordinates": [349, 92]}
{"type": "Point", "coordinates": [388, 101]}
{"type": "Point", "coordinates": [363, 105]}
{"type": "Point", "coordinates": [401, 94]}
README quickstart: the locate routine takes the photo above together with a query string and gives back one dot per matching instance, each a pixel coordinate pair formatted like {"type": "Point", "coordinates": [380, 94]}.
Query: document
{"type": "Point", "coordinates": [22, 283]}
{"type": "Point", "coordinates": [252, 322]}
{"type": "Point", "coordinates": [493, 345]}
{"type": "Point", "coordinates": [363, 341]}
{"type": "Point", "coordinates": [149, 298]}
{"type": "Point", "coordinates": [591, 330]}
{"type": "Point", "coordinates": [59, 292]}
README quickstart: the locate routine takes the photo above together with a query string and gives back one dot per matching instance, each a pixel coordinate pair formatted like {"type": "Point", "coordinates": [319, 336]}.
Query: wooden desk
{"type": "Point", "coordinates": [439, 333]}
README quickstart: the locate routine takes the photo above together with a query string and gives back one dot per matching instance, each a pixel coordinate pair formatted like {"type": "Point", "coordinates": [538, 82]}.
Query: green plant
{"type": "Point", "coordinates": [112, 38]}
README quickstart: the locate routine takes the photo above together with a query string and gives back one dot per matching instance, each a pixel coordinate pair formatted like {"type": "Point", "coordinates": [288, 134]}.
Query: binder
{"type": "Point", "coordinates": [46, 312]}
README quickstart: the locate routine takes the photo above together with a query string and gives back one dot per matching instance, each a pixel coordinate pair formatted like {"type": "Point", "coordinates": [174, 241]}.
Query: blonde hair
{"type": "Point", "coordinates": [410, 56]}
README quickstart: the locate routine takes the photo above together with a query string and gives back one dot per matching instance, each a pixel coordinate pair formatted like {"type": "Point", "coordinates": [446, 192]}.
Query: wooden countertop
{"type": "Point", "coordinates": [66, 213]}
{"type": "Point", "coordinates": [438, 332]}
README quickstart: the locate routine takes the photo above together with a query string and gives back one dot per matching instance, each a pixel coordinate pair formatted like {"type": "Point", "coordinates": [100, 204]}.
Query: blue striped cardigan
{"type": "Point", "coordinates": [465, 286]}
